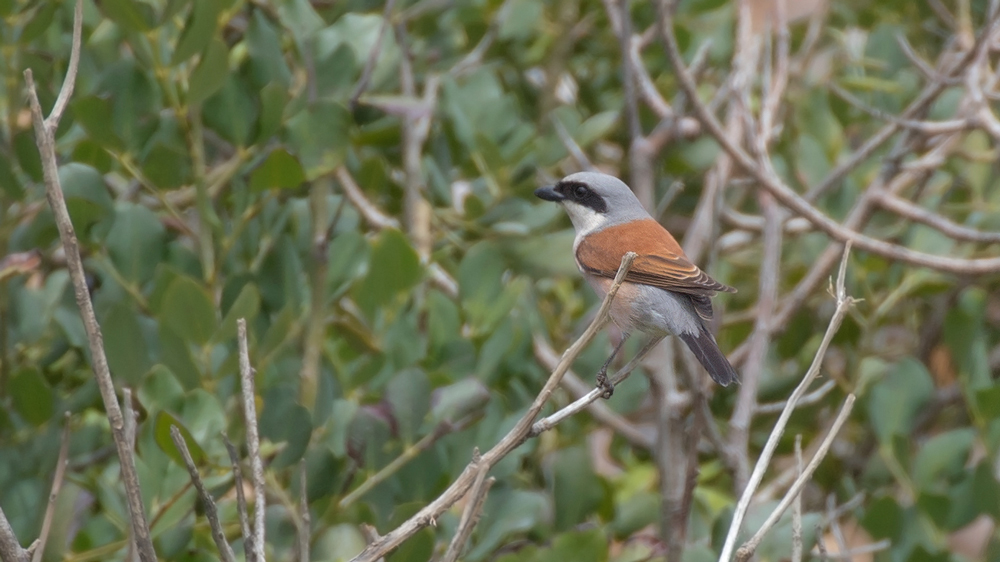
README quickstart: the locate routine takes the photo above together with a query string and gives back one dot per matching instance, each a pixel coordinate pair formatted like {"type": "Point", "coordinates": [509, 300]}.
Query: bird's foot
{"type": "Point", "coordinates": [603, 382]}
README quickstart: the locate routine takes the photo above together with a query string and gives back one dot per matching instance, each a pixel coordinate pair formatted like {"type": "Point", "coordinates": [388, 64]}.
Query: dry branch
{"type": "Point", "coordinates": [45, 129]}
{"type": "Point", "coordinates": [253, 446]}
{"type": "Point", "coordinates": [211, 512]}
{"type": "Point", "coordinates": [57, 480]}
{"type": "Point", "coordinates": [521, 431]}
{"type": "Point", "coordinates": [770, 181]}
{"type": "Point", "coordinates": [844, 303]}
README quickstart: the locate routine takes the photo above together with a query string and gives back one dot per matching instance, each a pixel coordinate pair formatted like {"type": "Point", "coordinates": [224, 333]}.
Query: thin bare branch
{"type": "Point", "coordinates": [844, 303]}
{"type": "Point", "coordinates": [241, 500]}
{"type": "Point", "coordinates": [10, 547]}
{"type": "Point", "coordinates": [253, 440]}
{"type": "Point", "coordinates": [57, 480]}
{"type": "Point", "coordinates": [788, 197]}
{"type": "Point", "coordinates": [748, 548]}
{"type": "Point", "coordinates": [366, 73]}
{"type": "Point", "coordinates": [578, 388]}
{"type": "Point", "coordinates": [304, 529]}
{"type": "Point", "coordinates": [811, 398]}
{"type": "Point", "coordinates": [521, 431]}
{"type": "Point", "coordinates": [66, 92]}
{"type": "Point", "coordinates": [473, 509]}
{"type": "Point", "coordinates": [211, 512]}
{"type": "Point", "coordinates": [797, 506]}
{"type": "Point", "coordinates": [45, 129]}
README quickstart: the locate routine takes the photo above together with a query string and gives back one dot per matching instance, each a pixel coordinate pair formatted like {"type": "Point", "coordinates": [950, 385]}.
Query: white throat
{"type": "Point", "coordinates": [585, 220]}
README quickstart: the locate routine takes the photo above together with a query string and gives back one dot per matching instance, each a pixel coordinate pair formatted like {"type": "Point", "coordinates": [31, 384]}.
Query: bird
{"type": "Point", "coordinates": [664, 293]}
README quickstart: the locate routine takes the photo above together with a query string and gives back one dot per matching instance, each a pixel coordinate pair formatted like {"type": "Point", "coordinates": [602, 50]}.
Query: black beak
{"type": "Point", "coordinates": [548, 193]}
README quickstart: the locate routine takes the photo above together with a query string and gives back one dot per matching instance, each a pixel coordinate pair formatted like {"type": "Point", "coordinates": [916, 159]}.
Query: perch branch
{"type": "Point", "coordinates": [521, 431]}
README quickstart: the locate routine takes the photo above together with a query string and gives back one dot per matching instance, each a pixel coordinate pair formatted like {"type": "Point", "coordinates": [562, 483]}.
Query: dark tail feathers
{"type": "Point", "coordinates": [710, 356]}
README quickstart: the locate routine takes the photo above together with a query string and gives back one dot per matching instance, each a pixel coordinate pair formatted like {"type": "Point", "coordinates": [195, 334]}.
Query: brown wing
{"type": "Point", "coordinates": [660, 263]}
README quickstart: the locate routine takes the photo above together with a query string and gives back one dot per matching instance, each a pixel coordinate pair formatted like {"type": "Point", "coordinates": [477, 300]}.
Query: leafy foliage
{"type": "Point", "coordinates": [200, 160]}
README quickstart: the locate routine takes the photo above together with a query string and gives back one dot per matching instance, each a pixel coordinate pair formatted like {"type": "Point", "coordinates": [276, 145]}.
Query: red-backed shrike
{"type": "Point", "coordinates": [663, 293]}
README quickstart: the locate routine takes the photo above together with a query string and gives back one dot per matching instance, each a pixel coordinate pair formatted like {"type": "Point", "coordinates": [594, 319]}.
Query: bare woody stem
{"type": "Point", "coordinates": [253, 442]}
{"type": "Point", "coordinates": [514, 438]}
{"type": "Point", "coordinates": [45, 129]}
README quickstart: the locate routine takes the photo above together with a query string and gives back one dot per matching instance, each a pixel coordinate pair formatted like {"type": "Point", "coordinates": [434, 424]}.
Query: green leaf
{"type": "Point", "coordinates": [231, 111]}
{"type": "Point", "coordinates": [273, 98]}
{"type": "Point", "coordinates": [458, 400]}
{"type": "Point", "coordinates": [160, 390]}
{"type": "Point", "coordinates": [136, 242]}
{"type": "Point", "coordinates": [198, 30]}
{"type": "Point", "coordinates": [510, 512]}
{"type": "Point", "coordinates": [267, 61]}
{"type": "Point", "coordinates": [319, 136]}
{"type": "Point", "coordinates": [280, 170]}
{"type": "Point", "coordinates": [211, 73]}
{"type": "Point", "coordinates": [175, 354]}
{"type": "Point", "coordinates": [246, 305]}
{"type": "Point", "coordinates": [31, 395]}
{"type": "Point", "coordinates": [394, 268]}
{"type": "Point", "coordinates": [575, 488]}
{"type": "Point", "coordinates": [132, 15]}
{"type": "Point", "coordinates": [188, 310]}
{"type": "Point", "coordinates": [125, 344]}
{"type": "Point", "coordinates": [895, 401]}
{"type": "Point", "coordinates": [942, 457]}
{"type": "Point", "coordinates": [161, 432]}
{"type": "Point", "coordinates": [39, 22]}
{"type": "Point", "coordinates": [166, 166]}
{"type": "Point", "coordinates": [86, 195]}
{"type": "Point", "coordinates": [409, 396]}
{"type": "Point", "coordinates": [94, 114]}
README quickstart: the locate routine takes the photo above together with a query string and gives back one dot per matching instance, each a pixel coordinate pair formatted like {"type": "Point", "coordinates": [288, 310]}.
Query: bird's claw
{"type": "Point", "coordinates": [604, 383]}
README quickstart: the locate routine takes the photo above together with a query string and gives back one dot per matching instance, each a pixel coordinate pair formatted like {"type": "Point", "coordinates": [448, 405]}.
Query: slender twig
{"type": "Point", "coordinates": [241, 500]}
{"type": "Point", "coordinates": [514, 438]}
{"type": "Point", "coordinates": [811, 398]}
{"type": "Point", "coordinates": [853, 553]}
{"type": "Point", "coordinates": [10, 547]}
{"type": "Point", "coordinates": [416, 127]}
{"type": "Point", "coordinates": [797, 506]}
{"type": "Point", "coordinates": [45, 128]}
{"type": "Point", "coordinates": [473, 509]}
{"type": "Point", "coordinates": [578, 388]}
{"type": "Point", "coordinates": [305, 527]}
{"type": "Point", "coordinates": [571, 146]}
{"type": "Point", "coordinates": [579, 404]}
{"type": "Point", "coordinates": [844, 303]}
{"type": "Point", "coordinates": [787, 196]}
{"type": "Point", "coordinates": [373, 55]}
{"type": "Point", "coordinates": [947, 227]}
{"type": "Point", "coordinates": [211, 512]}
{"type": "Point", "coordinates": [746, 401]}
{"type": "Point", "coordinates": [253, 441]}
{"type": "Point", "coordinates": [57, 481]}
{"type": "Point", "coordinates": [749, 547]}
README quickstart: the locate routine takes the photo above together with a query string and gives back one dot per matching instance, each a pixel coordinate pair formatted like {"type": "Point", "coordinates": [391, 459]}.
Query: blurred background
{"type": "Point", "coordinates": [355, 179]}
